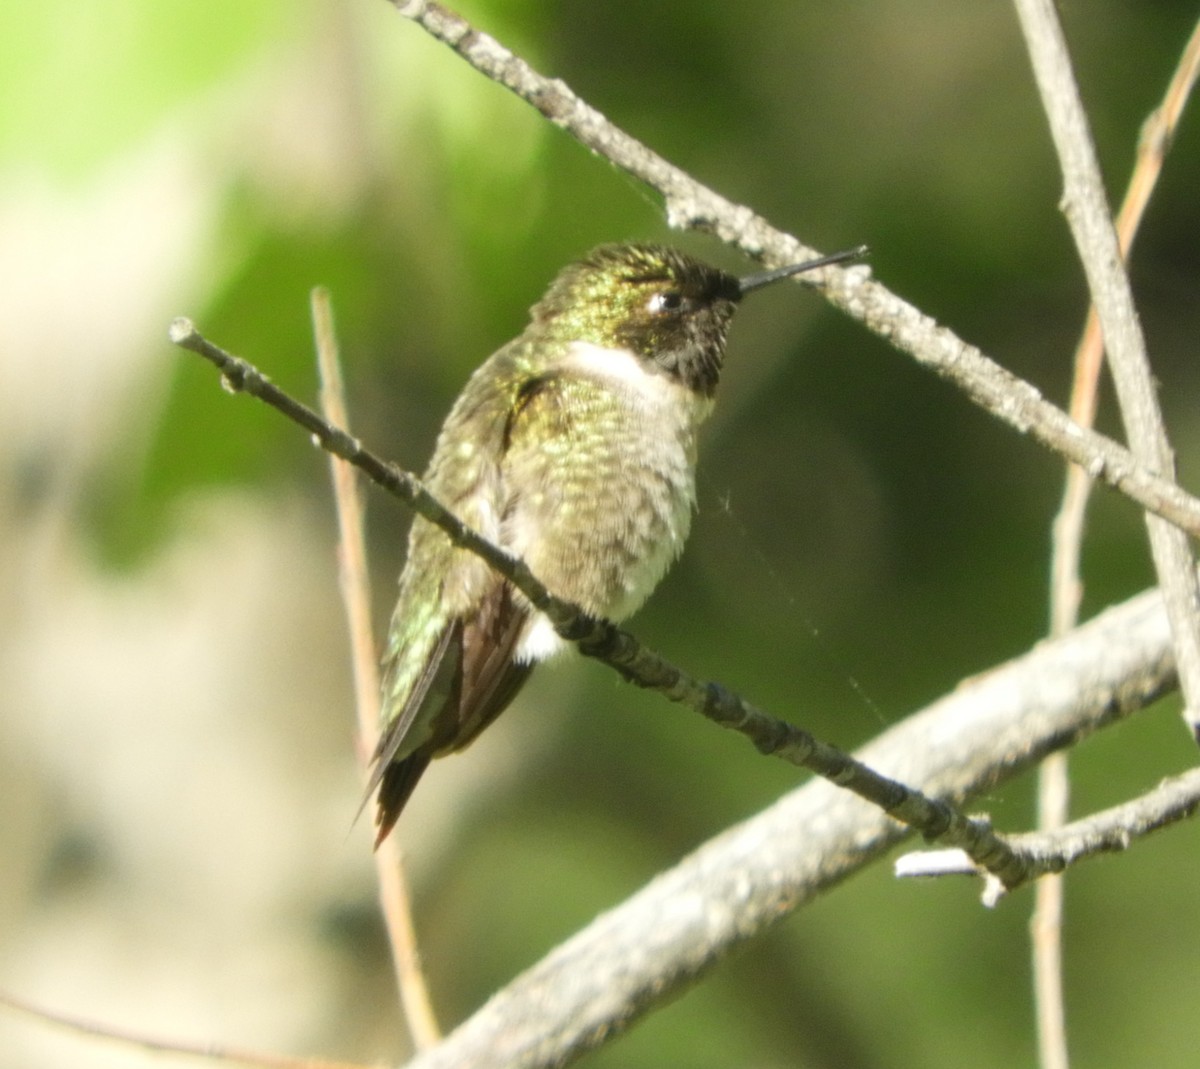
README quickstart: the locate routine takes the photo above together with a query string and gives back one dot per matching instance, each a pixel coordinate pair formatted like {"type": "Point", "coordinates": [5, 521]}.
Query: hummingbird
{"type": "Point", "coordinates": [574, 448]}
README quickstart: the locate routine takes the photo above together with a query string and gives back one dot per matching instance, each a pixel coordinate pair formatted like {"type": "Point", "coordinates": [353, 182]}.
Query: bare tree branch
{"type": "Point", "coordinates": [1066, 586]}
{"type": "Point", "coordinates": [206, 1050]}
{"type": "Point", "coordinates": [1043, 852]}
{"type": "Point", "coordinates": [394, 898]}
{"type": "Point", "coordinates": [1090, 220]}
{"type": "Point", "coordinates": [750, 877]}
{"type": "Point", "coordinates": [691, 205]}
{"type": "Point", "coordinates": [1045, 924]}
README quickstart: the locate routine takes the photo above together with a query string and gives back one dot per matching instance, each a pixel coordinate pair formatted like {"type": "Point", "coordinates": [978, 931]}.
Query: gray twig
{"type": "Point", "coordinates": [1044, 852]}
{"type": "Point", "coordinates": [933, 818]}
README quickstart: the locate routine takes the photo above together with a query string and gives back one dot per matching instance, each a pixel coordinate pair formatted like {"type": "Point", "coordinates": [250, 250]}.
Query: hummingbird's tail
{"type": "Point", "coordinates": [397, 783]}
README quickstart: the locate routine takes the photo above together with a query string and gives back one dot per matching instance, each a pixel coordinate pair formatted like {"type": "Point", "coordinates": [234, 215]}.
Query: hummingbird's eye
{"type": "Point", "coordinates": [666, 302]}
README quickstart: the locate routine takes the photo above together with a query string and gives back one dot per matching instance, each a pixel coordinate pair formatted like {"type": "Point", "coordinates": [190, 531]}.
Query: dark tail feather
{"type": "Point", "coordinates": [395, 786]}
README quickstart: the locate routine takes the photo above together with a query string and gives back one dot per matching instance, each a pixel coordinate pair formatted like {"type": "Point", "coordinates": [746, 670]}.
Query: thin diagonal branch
{"type": "Point", "coordinates": [691, 205]}
{"type": "Point", "coordinates": [750, 877]}
{"type": "Point", "coordinates": [1090, 221]}
{"type": "Point", "coordinates": [206, 1050]}
{"type": "Point", "coordinates": [604, 641]}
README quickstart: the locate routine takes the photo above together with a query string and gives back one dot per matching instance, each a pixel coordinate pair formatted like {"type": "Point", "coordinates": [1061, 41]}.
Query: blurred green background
{"type": "Point", "coordinates": [177, 782]}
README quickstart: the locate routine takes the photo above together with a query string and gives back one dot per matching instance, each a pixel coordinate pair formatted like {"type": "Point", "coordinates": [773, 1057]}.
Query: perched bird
{"type": "Point", "coordinates": [574, 448]}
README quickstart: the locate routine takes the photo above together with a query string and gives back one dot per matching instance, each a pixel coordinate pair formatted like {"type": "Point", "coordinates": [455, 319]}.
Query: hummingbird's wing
{"type": "Point", "coordinates": [396, 778]}
{"type": "Point", "coordinates": [468, 680]}
{"type": "Point", "coordinates": [491, 674]}
{"type": "Point", "coordinates": [451, 665]}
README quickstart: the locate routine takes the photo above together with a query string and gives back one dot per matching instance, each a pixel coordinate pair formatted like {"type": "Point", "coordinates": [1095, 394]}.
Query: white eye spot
{"type": "Point", "coordinates": [665, 302]}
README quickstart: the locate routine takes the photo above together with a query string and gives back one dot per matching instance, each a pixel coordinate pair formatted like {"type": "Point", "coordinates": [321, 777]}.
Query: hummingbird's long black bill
{"type": "Point", "coordinates": [756, 282]}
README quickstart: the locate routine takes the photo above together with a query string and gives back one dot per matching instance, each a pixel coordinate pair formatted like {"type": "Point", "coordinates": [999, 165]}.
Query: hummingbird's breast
{"type": "Point", "coordinates": [601, 482]}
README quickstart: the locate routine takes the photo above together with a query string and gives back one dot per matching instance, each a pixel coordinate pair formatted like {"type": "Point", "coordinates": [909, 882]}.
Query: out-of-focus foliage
{"type": "Point", "coordinates": [177, 781]}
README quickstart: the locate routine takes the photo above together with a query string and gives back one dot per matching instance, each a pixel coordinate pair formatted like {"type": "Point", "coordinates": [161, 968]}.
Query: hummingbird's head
{"type": "Point", "coordinates": [669, 310]}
